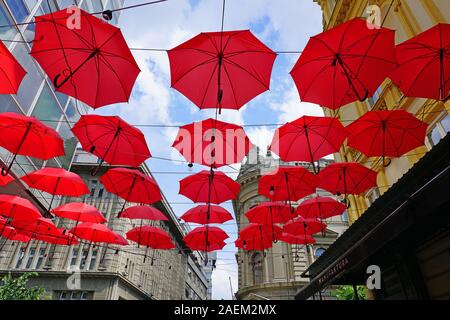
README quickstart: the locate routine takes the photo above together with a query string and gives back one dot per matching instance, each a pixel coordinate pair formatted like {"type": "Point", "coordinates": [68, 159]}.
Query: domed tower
{"type": "Point", "coordinates": [276, 273]}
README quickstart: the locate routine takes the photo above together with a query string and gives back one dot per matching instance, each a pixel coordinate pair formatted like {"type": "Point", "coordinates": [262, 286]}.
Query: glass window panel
{"type": "Point", "coordinates": [30, 4]}
{"type": "Point", "coordinates": [48, 9]}
{"type": "Point", "coordinates": [18, 9]}
{"type": "Point", "coordinates": [29, 31]}
{"type": "Point", "coordinates": [65, 3]}
{"type": "Point", "coordinates": [72, 113]}
{"type": "Point", "coordinates": [435, 135]}
{"type": "Point", "coordinates": [446, 123]}
{"type": "Point", "coordinates": [47, 109]}
{"type": "Point", "coordinates": [7, 104]}
{"type": "Point", "coordinates": [5, 19]}
{"type": "Point", "coordinates": [70, 144]}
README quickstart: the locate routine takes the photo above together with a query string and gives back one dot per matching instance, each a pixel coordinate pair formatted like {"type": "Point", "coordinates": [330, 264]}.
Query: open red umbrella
{"type": "Point", "coordinates": [152, 237]}
{"type": "Point", "coordinates": [97, 233]}
{"type": "Point", "coordinates": [347, 178]}
{"type": "Point", "coordinates": [78, 211]}
{"type": "Point", "coordinates": [209, 186]}
{"type": "Point", "coordinates": [221, 69]}
{"type": "Point", "coordinates": [344, 64]}
{"type": "Point", "coordinates": [206, 239]}
{"type": "Point", "coordinates": [205, 214]}
{"type": "Point", "coordinates": [270, 213]}
{"type": "Point", "coordinates": [301, 226]}
{"type": "Point", "coordinates": [11, 74]}
{"type": "Point", "coordinates": [63, 237]}
{"type": "Point", "coordinates": [112, 140]}
{"type": "Point", "coordinates": [11, 233]}
{"type": "Point", "coordinates": [40, 228]}
{"type": "Point", "coordinates": [56, 181]}
{"type": "Point", "coordinates": [386, 133]}
{"type": "Point", "coordinates": [300, 239]}
{"type": "Point", "coordinates": [320, 208]}
{"type": "Point", "coordinates": [28, 136]}
{"type": "Point", "coordinates": [4, 180]}
{"type": "Point", "coordinates": [87, 59]}
{"type": "Point", "coordinates": [131, 185]}
{"type": "Point", "coordinates": [424, 69]}
{"type": "Point", "coordinates": [258, 231]}
{"type": "Point", "coordinates": [15, 207]}
{"type": "Point", "coordinates": [308, 139]}
{"type": "Point", "coordinates": [212, 142]}
{"type": "Point", "coordinates": [143, 213]}
{"type": "Point", "coordinates": [287, 183]}
{"type": "Point", "coordinates": [257, 244]}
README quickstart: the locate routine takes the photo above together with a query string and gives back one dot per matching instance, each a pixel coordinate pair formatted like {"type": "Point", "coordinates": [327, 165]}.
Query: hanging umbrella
{"type": "Point", "coordinates": [344, 64]}
{"type": "Point", "coordinates": [287, 183]}
{"type": "Point", "coordinates": [347, 178]}
{"type": "Point", "coordinates": [90, 62]}
{"type": "Point", "coordinates": [308, 139]}
{"type": "Point", "coordinates": [301, 226]}
{"type": "Point", "coordinates": [300, 239]}
{"type": "Point", "coordinates": [320, 208]}
{"type": "Point", "coordinates": [78, 211]}
{"type": "Point", "coordinates": [11, 74]}
{"type": "Point", "coordinates": [112, 140]}
{"type": "Point", "coordinates": [206, 214]}
{"type": "Point", "coordinates": [10, 233]}
{"type": "Point", "coordinates": [5, 180]}
{"type": "Point", "coordinates": [270, 213]}
{"type": "Point", "coordinates": [206, 239]}
{"type": "Point", "coordinates": [386, 133]}
{"type": "Point", "coordinates": [29, 137]}
{"type": "Point", "coordinates": [56, 181]}
{"type": "Point", "coordinates": [63, 237]}
{"type": "Point", "coordinates": [97, 233]}
{"type": "Point", "coordinates": [212, 142]}
{"type": "Point", "coordinates": [424, 69]}
{"type": "Point", "coordinates": [259, 231]}
{"type": "Point", "coordinates": [210, 187]}
{"type": "Point", "coordinates": [143, 213]}
{"type": "Point", "coordinates": [131, 185]}
{"type": "Point", "coordinates": [152, 237]}
{"type": "Point", "coordinates": [257, 244]}
{"type": "Point", "coordinates": [40, 228]}
{"type": "Point", "coordinates": [15, 207]}
{"type": "Point", "coordinates": [221, 69]}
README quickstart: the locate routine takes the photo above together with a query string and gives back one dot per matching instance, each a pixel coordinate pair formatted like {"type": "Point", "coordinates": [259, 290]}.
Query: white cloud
{"type": "Point", "coordinates": [221, 280]}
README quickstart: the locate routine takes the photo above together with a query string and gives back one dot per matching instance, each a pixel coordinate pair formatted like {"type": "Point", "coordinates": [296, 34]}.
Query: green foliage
{"type": "Point", "coordinates": [347, 293]}
{"type": "Point", "coordinates": [15, 288]}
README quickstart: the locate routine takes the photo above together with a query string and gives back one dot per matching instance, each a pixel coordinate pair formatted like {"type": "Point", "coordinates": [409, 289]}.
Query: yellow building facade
{"type": "Point", "coordinates": [408, 18]}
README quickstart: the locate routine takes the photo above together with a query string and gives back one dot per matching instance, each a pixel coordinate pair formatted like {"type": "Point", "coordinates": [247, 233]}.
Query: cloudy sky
{"type": "Point", "coordinates": [283, 25]}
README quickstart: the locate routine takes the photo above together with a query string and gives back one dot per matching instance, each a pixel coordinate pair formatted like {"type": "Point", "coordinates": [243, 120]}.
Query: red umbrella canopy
{"type": "Point", "coordinates": [344, 64]}
{"type": "Point", "coordinates": [11, 74]}
{"type": "Point", "coordinates": [10, 233]}
{"type": "Point", "coordinates": [112, 139]}
{"type": "Point", "coordinates": [424, 69]}
{"type": "Point", "coordinates": [4, 180]}
{"type": "Point", "coordinates": [36, 228]}
{"type": "Point", "coordinates": [62, 237]}
{"type": "Point", "coordinates": [90, 62]}
{"type": "Point", "coordinates": [257, 244]}
{"type": "Point", "coordinates": [212, 142]}
{"type": "Point", "coordinates": [209, 186]}
{"type": "Point", "coordinates": [28, 136]}
{"type": "Point", "coordinates": [206, 238]}
{"type": "Point", "coordinates": [205, 214]}
{"type": "Point", "coordinates": [258, 231]}
{"type": "Point", "coordinates": [56, 181]}
{"type": "Point", "coordinates": [301, 226]}
{"type": "Point", "coordinates": [308, 138]}
{"type": "Point", "coordinates": [300, 239]}
{"type": "Point", "coordinates": [131, 185]}
{"type": "Point", "coordinates": [143, 212]}
{"type": "Point", "coordinates": [152, 237]}
{"type": "Point", "coordinates": [15, 207]}
{"type": "Point", "coordinates": [347, 178]}
{"type": "Point", "coordinates": [287, 183]}
{"type": "Point", "coordinates": [97, 233]}
{"type": "Point", "coordinates": [389, 133]}
{"type": "Point", "coordinates": [320, 208]}
{"type": "Point", "coordinates": [269, 213]}
{"type": "Point", "coordinates": [78, 211]}
{"type": "Point", "coordinates": [221, 69]}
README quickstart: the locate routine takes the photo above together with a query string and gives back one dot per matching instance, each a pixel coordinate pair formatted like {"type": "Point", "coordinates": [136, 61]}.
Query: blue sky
{"type": "Point", "coordinates": [283, 25]}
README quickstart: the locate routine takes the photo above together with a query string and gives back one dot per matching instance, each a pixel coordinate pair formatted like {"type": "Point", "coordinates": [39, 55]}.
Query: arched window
{"type": "Point", "coordinates": [257, 268]}
{"type": "Point", "coordinates": [318, 252]}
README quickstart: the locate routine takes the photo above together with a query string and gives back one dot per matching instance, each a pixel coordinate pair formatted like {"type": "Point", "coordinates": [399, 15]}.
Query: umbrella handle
{"type": "Point", "coordinates": [366, 95]}
{"type": "Point", "coordinates": [386, 163]}
{"type": "Point", "coordinates": [107, 15]}
{"type": "Point", "coordinates": [6, 171]}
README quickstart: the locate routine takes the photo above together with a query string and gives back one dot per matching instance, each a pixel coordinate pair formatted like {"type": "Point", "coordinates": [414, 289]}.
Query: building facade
{"type": "Point", "coordinates": [277, 273]}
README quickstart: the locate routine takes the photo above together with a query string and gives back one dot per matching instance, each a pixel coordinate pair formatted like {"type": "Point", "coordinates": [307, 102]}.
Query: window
{"type": "Point", "coordinates": [93, 259]}
{"type": "Point", "coordinates": [5, 19]}
{"type": "Point", "coordinates": [84, 258]}
{"type": "Point", "coordinates": [318, 252]}
{"type": "Point", "coordinates": [73, 295]}
{"type": "Point", "coordinates": [20, 257]}
{"type": "Point", "coordinates": [30, 258]}
{"type": "Point", "coordinates": [41, 257]}
{"type": "Point", "coordinates": [47, 109]}
{"type": "Point", "coordinates": [373, 195]}
{"type": "Point", "coordinates": [73, 260]}
{"type": "Point", "coordinates": [257, 268]}
{"type": "Point", "coordinates": [70, 144]}
{"type": "Point", "coordinates": [439, 131]}
{"type": "Point", "coordinates": [93, 187]}
{"type": "Point", "coordinates": [373, 99]}
{"type": "Point", "coordinates": [18, 9]}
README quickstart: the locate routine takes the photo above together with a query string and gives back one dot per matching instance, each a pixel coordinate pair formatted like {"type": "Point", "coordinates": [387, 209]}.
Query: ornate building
{"type": "Point", "coordinates": [275, 274]}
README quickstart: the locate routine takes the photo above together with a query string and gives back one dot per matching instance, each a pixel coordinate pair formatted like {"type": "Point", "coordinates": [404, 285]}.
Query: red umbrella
{"type": "Point", "coordinates": [11, 74]}
{"type": "Point", "coordinates": [347, 178]}
{"type": "Point", "coordinates": [287, 183]}
{"type": "Point", "coordinates": [390, 133]}
{"type": "Point", "coordinates": [209, 186]}
{"type": "Point", "coordinates": [131, 185]}
{"type": "Point", "coordinates": [112, 140]}
{"type": "Point", "coordinates": [56, 181]}
{"type": "Point", "coordinates": [4, 180]}
{"type": "Point", "coordinates": [152, 237]}
{"type": "Point", "coordinates": [221, 69]}
{"type": "Point", "coordinates": [29, 137]}
{"type": "Point", "coordinates": [205, 214]}
{"type": "Point", "coordinates": [257, 244]}
{"type": "Point", "coordinates": [258, 231]}
{"type": "Point", "coordinates": [97, 233]}
{"type": "Point", "coordinates": [90, 62]}
{"type": "Point", "coordinates": [424, 69]}
{"type": "Point", "coordinates": [143, 213]}
{"type": "Point", "coordinates": [320, 208]}
{"type": "Point", "coordinates": [78, 211]}
{"type": "Point", "coordinates": [40, 228]}
{"type": "Point", "coordinates": [269, 213]}
{"type": "Point", "coordinates": [213, 143]}
{"type": "Point", "coordinates": [10, 233]}
{"type": "Point", "coordinates": [308, 139]}
{"type": "Point", "coordinates": [206, 238]}
{"type": "Point", "coordinates": [63, 238]}
{"type": "Point", "coordinates": [300, 239]}
{"type": "Point", "coordinates": [15, 207]}
{"type": "Point", "coordinates": [301, 226]}
{"type": "Point", "coordinates": [344, 64]}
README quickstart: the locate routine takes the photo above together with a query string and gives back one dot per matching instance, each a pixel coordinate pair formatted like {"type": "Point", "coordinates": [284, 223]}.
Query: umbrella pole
{"type": "Point", "coordinates": [315, 170]}
{"type": "Point", "coordinates": [139, 239]}
{"type": "Point", "coordinates": [97, 168]}
{"type": "Point", "coordinates": [72, 73]}
{"type": "Point", "coordinates": [153, 256]}
{"type": "Point", "coordinates": [350, 82]}
{"type": "Point", "coordinates": [6, 171]}
{"type": "Point", "coordinates": [145, 254]}
{"type": "Point", "coordinates": [53, 194]}
{"type": "Point", "coordinates": [288, 192]}
{"type": "Point", "coordinates": [271, 223]}
{"type": "Point", "coordinates": [104, 254]}
{"type": "Point", "coordinates": [10, 217]}
{"type": "Point", "coordinates": [442, 95]}
{"type": "Point", "coordinates": [128, 195]}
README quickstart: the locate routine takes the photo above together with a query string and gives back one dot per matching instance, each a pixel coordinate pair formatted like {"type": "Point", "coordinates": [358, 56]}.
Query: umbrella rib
{"type": "Point", "coordinates": [350, 56]}
{"type": "Point", "coordinates": [245, 70]}
{"type": "Point", "coordinates": [419, 74]}
{"type": "Point", "coordinates": [362, 39]}
{"type": "Point", "coordinates": [209, 53]}
{"type": "Point", "coordinates": [315, 78]}
{"type": "Point", "coordinates": [231, 84]}
{"type": "Point", "coordinates": [193, 68]}
{"type": "Point", "coordinates": [209, 83]}
{"type": "Point", "coordinates": [115, 73]}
